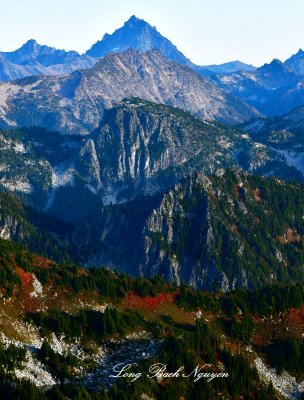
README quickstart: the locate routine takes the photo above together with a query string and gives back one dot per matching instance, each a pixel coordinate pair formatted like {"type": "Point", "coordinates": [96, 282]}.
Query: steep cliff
{"type": "Point", "coordinates": [220, 232]}
{"type": "Point", "coordinates": [139, 148]}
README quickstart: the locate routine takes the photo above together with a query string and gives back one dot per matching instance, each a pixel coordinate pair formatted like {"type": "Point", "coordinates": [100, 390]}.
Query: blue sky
{"type": "Point", "coordinates": [206, 31]}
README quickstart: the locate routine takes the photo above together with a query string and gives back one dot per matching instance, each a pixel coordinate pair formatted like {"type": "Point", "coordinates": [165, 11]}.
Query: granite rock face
{"type": "Point", "coordinates": [204, 231]}
{"type": "Point", "coordinates": [74, 104]}
{"type": "Point", "coordinates": [140, 148]}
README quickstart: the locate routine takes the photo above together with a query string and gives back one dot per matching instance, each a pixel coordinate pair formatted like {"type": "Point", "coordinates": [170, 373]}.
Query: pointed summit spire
{"type": "Point", "coordinates": [30, 44]}
{"type": "Point", "coordinates": [136, 34]}
{"type": "Point", "coordinates": [133, 19]}
{"type": "Point", "coordinates": [28, 48]}
{"type": "Point", "coordinates": [134, 22]}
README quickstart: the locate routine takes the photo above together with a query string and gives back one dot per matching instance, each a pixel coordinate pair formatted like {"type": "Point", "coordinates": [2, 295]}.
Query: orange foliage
{"type": "Point", "coordinates": [26, 278]}
{"type": "Point", "coordinates": [29, 303]}
{"type": "Point", "coordinates": [295, 316]}
{"type": "Point", "coordinates": [41, 262]}
{"type": "Point", "coordinates": [149, 303]}
{"type": "Point", "coordinates": [290, 236]}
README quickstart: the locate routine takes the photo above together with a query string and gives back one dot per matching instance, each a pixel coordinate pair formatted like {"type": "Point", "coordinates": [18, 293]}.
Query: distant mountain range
{"type": "Point", "coordinates": [274, 89]}
{"type": "Point", "coordinates": [35, 59]}
{"type": "Point", "coordinates": [226, 68]}
{"type": "Point", "coordinates": [291, 123]}
{"type": "Point", "coordinates": [75, 103]}
{"type": "Point", "coordinates": [135, 122]}
{"type": "Point", "coordinates": [106, 156]}
{"type": "Point", "coordinates": [284, 134]}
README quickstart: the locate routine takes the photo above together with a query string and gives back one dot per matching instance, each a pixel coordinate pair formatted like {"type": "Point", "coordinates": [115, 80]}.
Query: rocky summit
{"type": "Point", "coordinates": [296, 62]}
{"type": "Point", "coordinates": [139, 35]}
{"type": "Point", "coordinates": [74, 104]}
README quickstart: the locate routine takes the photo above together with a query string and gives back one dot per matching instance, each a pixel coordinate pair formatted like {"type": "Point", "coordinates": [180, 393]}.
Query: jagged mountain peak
{"type": "Point", "coordinates": [135, 23]}
{"type": "Point", "coordinates": [275, 74]}
{"type": "Point", "coordinates": [296, 62]}
{"type": "Point", "coordinates": [137, 34]}
{"type": "Point", "coordinates": [29, 51]}
{"type": "Point", "coordinates": [275, 63]}
{"type": "Point", "coordinates": [30, 44]}
{"type": "Point", "coordinates": [133, 20]}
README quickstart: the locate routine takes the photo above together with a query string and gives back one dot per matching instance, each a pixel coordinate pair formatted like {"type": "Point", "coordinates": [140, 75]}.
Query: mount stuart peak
{"type": "Point", "coordinates": [140, 35]}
